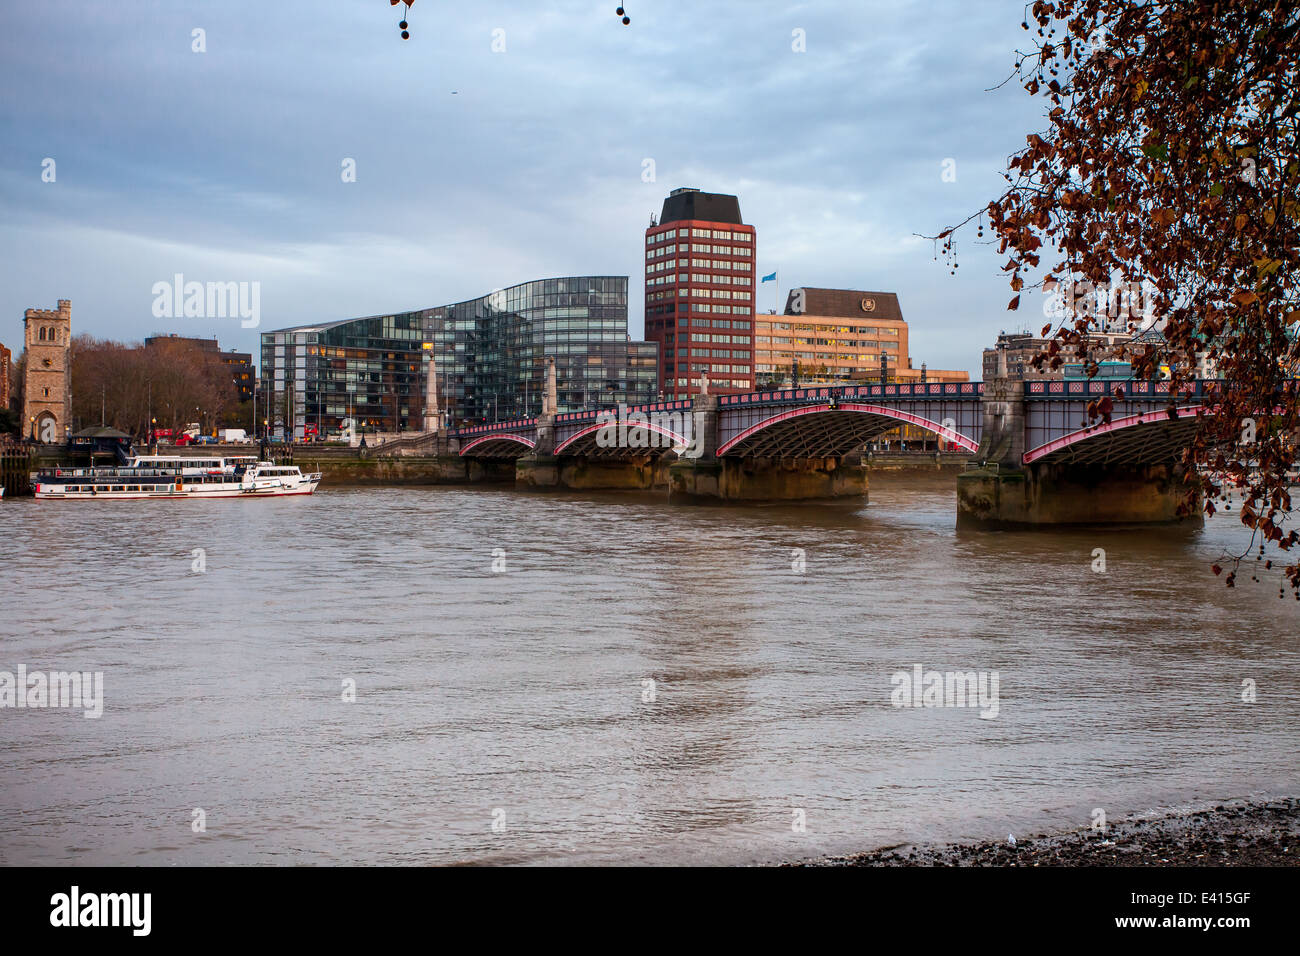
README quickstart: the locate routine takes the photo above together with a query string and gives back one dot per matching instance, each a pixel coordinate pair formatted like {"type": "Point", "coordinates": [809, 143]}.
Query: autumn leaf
{"type": "Point", "coordinates": [1172, 169]}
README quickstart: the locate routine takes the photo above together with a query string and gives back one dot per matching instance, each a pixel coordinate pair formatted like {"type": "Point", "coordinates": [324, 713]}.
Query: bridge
{"type": "Point", "coordinates": [1038, 456]}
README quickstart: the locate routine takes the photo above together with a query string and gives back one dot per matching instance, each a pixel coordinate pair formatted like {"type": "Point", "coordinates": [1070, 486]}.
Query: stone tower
{"type": "Point", "coordinates": [47, 390]}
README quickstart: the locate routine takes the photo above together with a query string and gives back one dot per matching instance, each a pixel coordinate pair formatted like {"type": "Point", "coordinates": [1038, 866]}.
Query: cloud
{"type": "Point", "coordinates": [476, 169]}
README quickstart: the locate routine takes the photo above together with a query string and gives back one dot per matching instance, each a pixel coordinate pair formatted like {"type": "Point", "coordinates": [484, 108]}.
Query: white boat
{"type": "Point", "coordinates": [156, 476]}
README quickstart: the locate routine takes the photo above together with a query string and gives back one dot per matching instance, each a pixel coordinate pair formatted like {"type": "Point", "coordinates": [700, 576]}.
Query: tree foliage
{"type": "Point", "coordinates": [175, 382]}
{"type": "Point", "coordinates": [1169, 164]}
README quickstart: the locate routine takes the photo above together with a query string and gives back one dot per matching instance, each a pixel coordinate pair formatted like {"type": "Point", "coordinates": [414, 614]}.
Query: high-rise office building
{"type": "Point", "coordinates": [489, 354]}
{"type": "Point", "coordinates": [699, 293]}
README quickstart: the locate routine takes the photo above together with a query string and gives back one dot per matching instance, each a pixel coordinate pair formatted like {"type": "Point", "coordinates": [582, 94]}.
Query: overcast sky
{"type": "Point", "coordinates": [478, 169]}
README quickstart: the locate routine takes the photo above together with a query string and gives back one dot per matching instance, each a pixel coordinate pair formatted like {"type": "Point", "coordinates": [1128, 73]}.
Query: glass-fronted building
{"type": "Point", "coordinates": [489, 355]}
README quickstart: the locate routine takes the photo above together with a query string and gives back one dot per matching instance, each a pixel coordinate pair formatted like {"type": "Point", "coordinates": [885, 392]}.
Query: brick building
{"type": "Point", "coordinates": [699, 293]}
{"type": "Point", "coordinates": [5, 358]}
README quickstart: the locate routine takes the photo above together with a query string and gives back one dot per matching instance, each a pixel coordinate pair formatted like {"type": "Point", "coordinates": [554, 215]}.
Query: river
{"type": "Point", "coordinates": [599, 678]}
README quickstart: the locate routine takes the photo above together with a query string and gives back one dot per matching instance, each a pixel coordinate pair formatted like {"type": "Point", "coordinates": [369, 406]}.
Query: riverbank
{"type": "Point", "coordinates": [1265, 833]}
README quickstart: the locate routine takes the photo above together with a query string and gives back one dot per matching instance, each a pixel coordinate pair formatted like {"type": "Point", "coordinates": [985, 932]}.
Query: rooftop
{"type": "Point", "coordinates": [691, 203]}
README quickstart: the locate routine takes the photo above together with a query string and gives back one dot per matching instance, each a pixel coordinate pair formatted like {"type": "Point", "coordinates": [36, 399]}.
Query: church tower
{"type": "Point", "coordinates": [47, 390]}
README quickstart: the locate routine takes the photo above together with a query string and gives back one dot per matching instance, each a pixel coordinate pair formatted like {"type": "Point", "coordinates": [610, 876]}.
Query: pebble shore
{"type": "Point", "coordinates": [1265, 833]}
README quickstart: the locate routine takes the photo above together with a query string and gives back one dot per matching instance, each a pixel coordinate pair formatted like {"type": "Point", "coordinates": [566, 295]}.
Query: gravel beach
{"type": "Point", "coordinates": [1265, 833]}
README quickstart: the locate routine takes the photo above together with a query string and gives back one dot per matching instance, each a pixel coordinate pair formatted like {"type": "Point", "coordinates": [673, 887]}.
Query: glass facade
{"type": "Point", "coordinates": [489, 355]}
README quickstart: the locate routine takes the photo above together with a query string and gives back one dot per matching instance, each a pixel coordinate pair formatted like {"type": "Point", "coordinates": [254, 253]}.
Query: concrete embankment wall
{"type": "Point", "coordinates": [341, 466]}
{"type": "Point", "coordinates": [953, 462]}
{"type": "Point", "coordinates": [442, 470]}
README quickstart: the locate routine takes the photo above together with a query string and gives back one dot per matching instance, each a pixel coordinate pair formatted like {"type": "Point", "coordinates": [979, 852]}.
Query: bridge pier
{"type": "Point", "coordinates": [1054, 490]}
{"type": "Point", "coordinates": [1057, 493]}
{"type": "Point", "coordinates": [708, 476]}
{"type": "Point", "coordinates": [766, 479]}
{"type": "Point", "coordinates": [579, 473]}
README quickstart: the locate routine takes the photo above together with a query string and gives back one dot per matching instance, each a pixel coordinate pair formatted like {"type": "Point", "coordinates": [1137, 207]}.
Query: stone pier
{"type": "Point", "coordinates": [1055, 494]}
{"type": "Point", "coordinates": [766, 479]}
{"type": "Point", "coordinates": [643, 473]}
{"type": "Point", "coordinates": [708, 477]}
{"type": "Point", "coordinates": [1003, 492]}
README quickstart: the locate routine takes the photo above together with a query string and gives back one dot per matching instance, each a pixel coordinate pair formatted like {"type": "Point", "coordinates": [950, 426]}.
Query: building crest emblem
{"type": "Point", "coordinates": [868, 305]}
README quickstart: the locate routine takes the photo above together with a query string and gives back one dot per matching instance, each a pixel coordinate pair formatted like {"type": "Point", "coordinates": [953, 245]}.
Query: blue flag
{"type": "Point", "coordinates": [771, 278]}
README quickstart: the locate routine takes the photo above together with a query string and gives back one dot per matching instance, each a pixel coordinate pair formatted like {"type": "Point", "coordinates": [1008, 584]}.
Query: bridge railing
{"type": "Point", "coordinates": [1133, 389]}
{"type": "Point", "coordinates": [678, 405]}
{"type": "Point", "coordinates": [519, 424]}
{"type": "Point", "coordinates": [589, 415]}
{"type": "Point", "coordinates": [908, 390]}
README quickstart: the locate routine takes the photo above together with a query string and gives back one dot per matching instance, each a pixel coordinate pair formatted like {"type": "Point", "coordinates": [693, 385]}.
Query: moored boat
{"type": "Point", "coordinates": [153, 476]}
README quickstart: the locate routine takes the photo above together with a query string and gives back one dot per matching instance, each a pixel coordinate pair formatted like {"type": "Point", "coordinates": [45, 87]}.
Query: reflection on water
{"type": "Point", "coordinates": [522, 691]}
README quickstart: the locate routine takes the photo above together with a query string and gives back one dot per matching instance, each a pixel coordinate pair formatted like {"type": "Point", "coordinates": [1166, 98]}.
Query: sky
{"type": "Point", "coordinates": [504, 141]}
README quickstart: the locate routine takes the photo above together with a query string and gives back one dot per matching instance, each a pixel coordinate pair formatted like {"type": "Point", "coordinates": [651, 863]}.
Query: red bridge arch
{"type": "Point", "coordinates": [1148, 436]}
{"type": "Point", "coordinates": [850, 436]}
